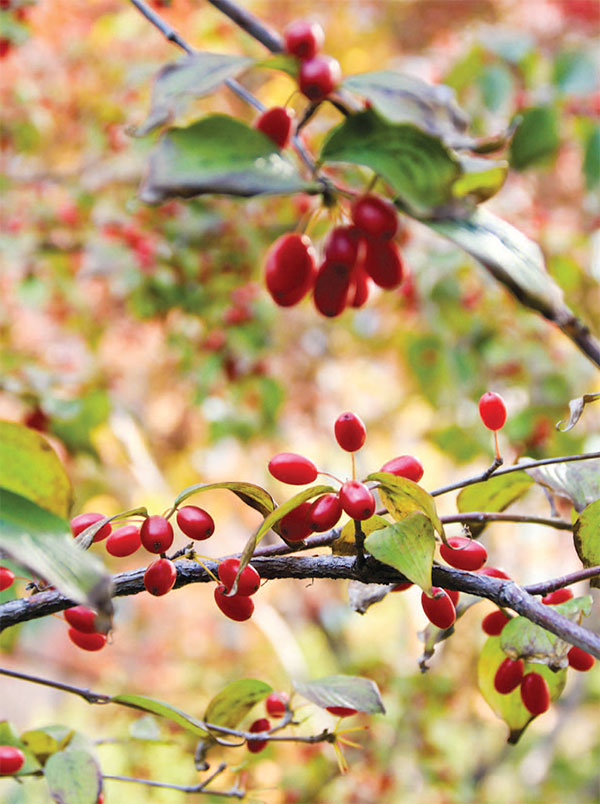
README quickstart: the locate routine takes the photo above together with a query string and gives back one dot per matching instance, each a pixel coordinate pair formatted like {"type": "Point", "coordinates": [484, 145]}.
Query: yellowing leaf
{"type": "Point", "coordinates": [401, 497]}
{"type": "Point", "coordinates": [408, 546]}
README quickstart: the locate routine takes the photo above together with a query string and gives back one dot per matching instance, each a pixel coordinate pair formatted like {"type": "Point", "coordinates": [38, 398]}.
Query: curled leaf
{"type": "Point", "coordinates": [576, 407]}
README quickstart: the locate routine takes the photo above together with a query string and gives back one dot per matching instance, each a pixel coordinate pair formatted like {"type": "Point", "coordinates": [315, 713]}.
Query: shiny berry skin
{"type": "Point", "coordinates": [580, 659]}
{"type": "Point", "coordinates": [12, 760]}
{"type": "Point", "coordinates": [359, 287]}
{"type": "Point", "coordinates": [508, 676]}
{"type": "Point", "coordinates": [492, 410]}
{"type": "Point", "coordinates": [276, 124]}
{"type": "Point", "coordinates": [303, 39]}
{"type": "Point", "coordinates": [237, 608]}
{"type": "Point", "coordinates": [156, 534]}
{"type": "Point", "coordinates": [464, 553]}
{"type": "Point", "coordinates": [124, 541]}
{"type": "Point", "coordinates": [249, 581]}
{"type": "Point", "coordinates": [291, 468]}
{"type": "Point", "coordinates": [262, 724]}
{"type": "Point", "coordinates": [195, 522]}
{"type": "Point", "coordinates": [324, 513]}
{"type": "Point", "coordinates": [290, 269]}
{"type": "Point", "coordinates": [341, 711]}
{"type": "Point", "coordinates": [332, 288]}
{"type": "Point", "coordinates": [453, 594]}
{"type": "Point", "coordinates": [383, 263]}
{"type": "Point", "coordinates": [494, 622]}
{"type": "Point", "coordinates": [318, 77]}
{"type": "Point", "coordinates": [7, 578]}
{"type": "Point", "coordinates": [160, 577]}
{"type": "Point", "coordinates": [82, 619]}
{"type": "Point", "coordinates": [91, 642]}
{"type": "Point", "coordinates": [375, 217]}
{"type": "Point", "coordinates": [350, 431]}
{"type": "Point", "coordinates": [402, 587]}
{"type": "Point", "coordinates": [494, 572]}
{"type": "Point", "coordinates": [276, 704]}
{"type": "Point", "coordinates": [559, 596]}
{"type": "Point", "coordinates": [82, 521]}
{"type": "Point", "coordinates": [342, 245]}
{"type": "Point", "coordinates": [357, 500]}
{"type": "Point", "coordinates": [535, 693]}
{"type": "Point", "coordinates": [439, 609]}
{"type": "Point", "coordinates": [294, 525]}
{"type": "Point", "coordinates": [404, 466]}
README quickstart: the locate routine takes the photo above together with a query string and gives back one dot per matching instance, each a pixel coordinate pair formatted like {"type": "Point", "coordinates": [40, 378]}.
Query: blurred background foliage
{"type": "Point", "coordinates": [143, 342]}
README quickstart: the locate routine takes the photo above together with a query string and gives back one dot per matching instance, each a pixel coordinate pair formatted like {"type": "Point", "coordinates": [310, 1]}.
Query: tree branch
{"type": "Point", "coordinates": [251, 24]}
{"type": "Point", "coordinates": [544, 587]}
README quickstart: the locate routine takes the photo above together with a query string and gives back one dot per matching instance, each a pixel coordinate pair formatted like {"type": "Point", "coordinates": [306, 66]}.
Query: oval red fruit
{"type": "Point", "coordinates": [318, 77]}
{"type": "Point", "coordinates": [276, 124]}
{"type": "Point", "coordinates": [124, 541]}
{"type": "Point", "coordinates": [341, 711]}
{"type": "Point", "coordinates": [262, 724]}
{"type": "Point", "coordinates": [303, 39]}
{"type": "Point", "coordinates": [156, 534]}
{"type": "Point", "coordinates": [453, 594]}
{"type": "Point", "coordinates": [294, 525]}
{"type": "Point", "coordinates": [492, 410]}
{"type": "Point", "coordinates": [404, 466]}
{"type": "Point", "coordinates": [276, 704]}
{"type": "Point", "coordinates": [463, 553]}
{"type": "Point", "coordinates": [494, 622]}
{"type": "Point", "coordinates": [195, 522]}
{"type": "Point", "coordinates": [359, 287]}
{"type": "Point", "coordinates": [81, 618]}
{"type": "Point", "coordinates": [439, 609]}
{"type": "Point", "coordinates": [12, 760]}
{"type": "Point", "coordinates": [350, 431]}
{"type": "Point", "coordinates": [291, 468]}
{"type": "Point", "coordinates": [160, 577]}
{"type": "Point", "coordinates": [508, 676]}
{"type": "Point", "coordinates": [342, 245]}
{"type": "Point", "coordinates": [290, 269]}
{"type": "Point", "coordinates": [249, 581]}
{"type": "Point", "coordinates": [237, 608]}
{"type": "Point", "coordinates": [82, 521]}
{"type": "Point", "coordinates": [357, 500]}
{"type": "Point", "coordinates": [324, 513]}
{"type": "Point", "coordinates": [90, 642]}
{"type": "Point", "coordinates": [580, 659]}
{"type": "Point", "coordinates": [7, 578]}
{"type": "Point", "coordinates": [332, 287]}
{"type": "Point", "coordinates": [494, 572]}
{"type": "Point", "coordinates": [383, 263]}
{"type": "Point", "coordinates": [535, 693]}
{"type": "Point", "coordinates": [375, 217]}
{"type": "Point", "coordinates": [558, 596]}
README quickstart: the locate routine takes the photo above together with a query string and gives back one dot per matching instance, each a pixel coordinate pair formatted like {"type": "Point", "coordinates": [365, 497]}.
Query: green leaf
{"type": "Point", "coordinates": [401, 497]}
{"type": "Point", "coordinates": [8, 736]}
{"type": "Point", "coordinates": [353, 692]}
{"type": "Point", "coordinates": [75, 420]}
{"type": "Point", "coordinates": [232, 704]}
{"type": "Point", "coordinates": [86, 537]}
{"type": "Point", "coordinates": [29, 466]}
{"type": "Point", "coordinates": [537, 138]}
{"type": "Point", "coordinates": [576, 407]}
{"type": "Point", "coordinates": [73, 777]}
{"type": "Point", "coordinates": [281, 61]}
{"type": "Point", "coordinates": [481, 178]}
{"type": "Point", "coordinates": [219, 154]}
{"type": "Point", "coordinates": [47, 741]}
{"type": "Point", "coordinates": [192, 77]}
{"type": "Point", "coordinates": [345, 545]}
{"type": "Point", "coordinates": [42, 542]}
{"type": "Point", "coordinates": [408, 546]}
{"type": "Point", "coordinates": [575, 72]}
{"type": "Point", "coordinates": [493, 495]}
{"type": "Point", "coordinates": [586, 537]}
{"type": "Point", "coordinates": [496, 83]}
{"type": "Point", "coordinates": [254, 496]}
{"type": "Point", "coordinates": [419, 168]}
{"type": "Point", "coordinates": [578, 481]}
{"type": "Point", "coordinates": [591, 159]}
{"type": "Point", "coordinates": [510, 707]}
{"type": "Point", "coordinates": [165, 710]}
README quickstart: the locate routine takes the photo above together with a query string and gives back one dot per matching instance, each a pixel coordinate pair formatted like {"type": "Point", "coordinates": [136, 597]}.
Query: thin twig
{"type": "Point", "coordinates": [233, 792]}
{"type": "Point", "coordinates": [479, 517]}
{"type": "Point", "coordinates": [544, 587]}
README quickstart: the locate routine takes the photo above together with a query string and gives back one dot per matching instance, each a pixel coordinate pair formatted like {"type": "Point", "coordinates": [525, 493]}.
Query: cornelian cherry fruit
{"type": "Point", "coordinates": [383, 263]}
{"type": "Point", "coordinates": [494, 622]}
{"type": "Point", "coordinates": [81, 618]}
{"type": "Point", "coordinates": [290, 269]}
{"type": "Point", "coordinates": [359, 287]}
{"type": "Point", "coordinates": [303, 39]}
{"type": "Point", "coordinates": [342, 245]}
{"type": "Point", "coordinates": [580, 659]}
{"type": "Point", "coordinates": [276, 124]}
{"type": "Point", "coordinates": [85, 641]}
{"type": "Point", "coordinates": [535, 693]}
{"type": "Point", "coordinates": [375, 217]}
{"type": "Point", "coordinates": [332, 287]}
{"type": "Point", "coordinates": [238, 607]}
{"type": "Point", "coordinates": [124, 541]}
{"type": "Point", "coordinates": [318, 77]}
{"type": "Point", "coordinates": [341, 711]}
{"type": "Point", "coordinates": [7, 578]}
{"type": "Point", "coordinates": [195, 522]}
{"type": "Point", "coordinates": [558, 596]}
{"type": "Point", "coordinates": [463, 553]}
{"type": "Point", "coordinates": [249, 581]}
{"type": "Point", "coordinates": [404, 466]}
{"type": "Point", "coordinates": [508, 676]}
{"type": "Point", "coordinates": [453, 594]}
{"type": "Point", "coordinates": [296, 470]}
{"type": "Point", "coordinates": [12, 760]}
{"type": "Point", "coordinates": [156, 534]}
{"type": "Point", "coordinates": [262, 724]}
{"type": "Point", "coordinates": [160, 577]}
{"type": "Point", "coordinates": [350, 431]}
{"type": "Point", "coordinates": [492, 410]}
{"type": "Point", "coordinates": [357, 500]}
{"type": "Point", "coordinates": [276, 704]}
{"type": "Point", "coordinates": [294, 525]}
{"type": "Point", "coordinates": [324, 513]}
{"type": "Point", "coordinates": [439, 609]}
{"type": "Point", "coordinates": [82, 521]}
{"type": "Point", "coordinates": [494, 572]}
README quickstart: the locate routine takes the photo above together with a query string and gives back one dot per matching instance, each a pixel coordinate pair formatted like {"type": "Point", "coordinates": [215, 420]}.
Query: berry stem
{"type": "Point", "coordinates": [333, 477]}
{"type": "Point", "coordinates": [353, 467]}
{"type": "Point", "coordinates": [498, 458]}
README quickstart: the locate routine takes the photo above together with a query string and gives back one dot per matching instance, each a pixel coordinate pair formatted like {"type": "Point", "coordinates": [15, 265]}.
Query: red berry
{"type": "Point", "coordinates": [508, 676]}
{"type": "Point", "coordinates": [439, 609]}
{"type": "Point", "coordinates": [318, 77]}
{"type": "Point", "coordinates": [82, 521]}
{"type": "Point", "coordinates": [195, 522]}
{"type": "Point", "coordinates": [492, 410]}
{"type": "Point", "coordinates": [493, 623]}
{"type": "Point", "coordinates": [156, 534]}
{"type": "Point", "coordinates": [580, 659]}
{"type": "Point", "coordinates": [124, 541]}
{"type": "Point", "coordinates": [324, 513]}
{"type": "Point", "coordinates": [160, 577]}
{"type": "Point", "coordinates": [12, 760]}
{"type": "Point", "coordinates": [375, 217]}
{"type": "Point", "coordinates": [359, 287]}
{"type": "Point", "coordinates": [559, 596]}
{"type": "Point", "coordinates": [332, 287]}
{"type": "Point", "coordinates": [341, 711]}
{"type": "Point", "coordinates": [276, 704]}
{"type": "Point", "coordinates": [342, 245]}
{"type": "Point", "coordinates": [5, 46]}
{"type": "Point", "coordinates": [402, 587]}
{"type": "Point", "coordinates": [262, 724]}
{"type": "Point", "coordinates": [249, 581]}
{"type": "Point", "coordinates": [238, 607]}
{"type": "Point", "coordinates": [295, 525]}
{"type": "Point", "coordinates": [303, 39]}
{"type": "Point", "coordinates": [90, 642]}
{"type": "Point", "coordinates": [535, 693]}
{"type": "Point", "coordinates": [290, 269]}
{"type": "Point", "coordinates": [276, 123]}
{"type": "Point", "coordinates": [82, 619]}
{"type": "Point", "coordinates": [453, 594]}
{"type": "Point", "coordinates": [383, 263]}
{"type": "Point", "coordinates": [404, 466]}
{"type": "Point", "coordinates": [494, 572]}
{"type": "Point", "coordinates": [463, 553]}
{"type": "Point", "coordinates": [7, 578]}
{"type": "Point", "coordinates": [296, 470]}
{"type": "Point", "coordinates": [357, 501]}
{"type": "Point", "coordinates": [350, 432]}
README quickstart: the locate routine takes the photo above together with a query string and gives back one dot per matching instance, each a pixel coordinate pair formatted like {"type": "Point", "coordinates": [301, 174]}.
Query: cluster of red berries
{"type": "Point", "coordinates": [354, 255]}
{"type": "Point", "coordinates": [354, 497]}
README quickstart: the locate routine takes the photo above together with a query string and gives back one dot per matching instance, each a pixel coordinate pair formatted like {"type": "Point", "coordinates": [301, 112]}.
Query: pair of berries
{"type": "Point", "coordinates": [318, 74]}
{"type": "Point", "coordinates": [535, 693]}
{"type": "Point", "coordinates": [12, 760]}
{"type": "Point", "coordinates": [83, 631]}
{"type": "Point", "coordinates": [238, 607]}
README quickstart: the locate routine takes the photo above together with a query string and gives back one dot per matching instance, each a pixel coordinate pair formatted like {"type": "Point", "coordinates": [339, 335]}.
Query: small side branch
{"type": "Point", "coordinates": [251, 24]}
{"type": "Point", "coordinates": [545, 587]}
